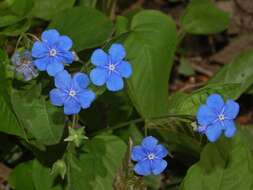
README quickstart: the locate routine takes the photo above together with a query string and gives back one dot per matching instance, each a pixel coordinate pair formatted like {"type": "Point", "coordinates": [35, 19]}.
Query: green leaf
{"type": "Point", "coordinates": [97, 164]}
{"type": "Point", "coordinates": [7, 20]}
{"type": "Point", "coordinates": [9, 122]}
{"type": "Point", "coordinates": [203, 17]}
{"type": "Point", "coordinates": [121, 25]}
{"type": "Point", "coordinates": [20, 177]}
{"type": "Point", "coordinates": [48, 9]}
{"type": "Point", "coordinates": [150, 48]}
{"type": "Point", "coordinates": [16, 29]}
{"type": "Point", "coordinates": [87, 27]}
{"type": "Point", "coordinates": [88, 3]}
{"type": "Point", "coordinates": [225, 165]}
{"type": "Point", "coordinates": [190, 104]}
{"type": "Point", "coordinates": [238, 71]}
{"type": "Point", "coordinates": [43, 179]}
{"type": "Point", "coordinates": [21, 7]}
{"type": "Point", "coordinates": [44, 121]}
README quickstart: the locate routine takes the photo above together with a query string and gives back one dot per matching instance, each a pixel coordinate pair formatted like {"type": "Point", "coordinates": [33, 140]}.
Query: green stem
{"type": "Point", "coordinates": [33, 36]}
{"type": "Point", "coordinates": [145, 130]}
{"type": "Point", "coordinates": [74, 121]}
{"type": "Point", "coordinates": [188, 117]}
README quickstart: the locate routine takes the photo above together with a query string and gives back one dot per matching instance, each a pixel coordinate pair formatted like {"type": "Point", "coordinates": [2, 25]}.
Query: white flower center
{"type": "Point", "coordinates": [72, 93]}
{"type": "Point", "coordinates": [221, 117]}
{"type": "Point", "coordinates": [52, 52]}
{"type": "Point", "coordinates": [151, 156]}
{"type": "Point", "coordinates": [111, 67]}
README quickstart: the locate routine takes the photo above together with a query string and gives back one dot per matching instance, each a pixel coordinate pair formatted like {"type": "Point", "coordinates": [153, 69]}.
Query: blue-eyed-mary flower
{"type": "Point", "coordinates": [149, 157]}
{"type": "Point", "coordinates": [24, 66]}
{"type": "Point", "coordinates": [216, 117]}
{"type": "Point", "coordinates": [52, 52]}
{"type": "Point", "coordinates": [110, 68]}
{"type": "Point", "coordinates": [72, 93]}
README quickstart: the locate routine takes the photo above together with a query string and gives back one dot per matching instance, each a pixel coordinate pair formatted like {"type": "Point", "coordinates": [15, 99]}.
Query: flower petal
{"type": "Point", "coordinates": [230, 128]}
{"type": "Point", "coordinates": [143, 168]}
{"type": "Point", "coordinates": [86, 98]}
{"type": "Point", "coordinates": [117, 52]}
{"type": "Point", "coordinates": [71, 107]}
{"type": "Point", "coordinates": [215, 102]}
{"type": "Point", "coordinates": [213, 132]}
{"type": "Point", "coordinates": [39, 50]}
{"type": "Point", "coordinates": [65, 42]}
{"type": "Point", "coordinates": [16, 59]}
{"type": "Point", "coordinates": [63, 80]}
{"type": "Point", "coordinates": [206, 115]}
{"type": "Point", "coordinates": [160, 151]}
{"type": "Point", "coordinates": [50, 36]}
{"type": "Point", "coordinates": [27, 75]}
{"type": "Point", "coordinates": [54, 68]}
{"type": "Point", "coordinates": [56, 97]}
{"type": "Point", "coordinates": [99, 58]}
{"type": "Point", "coordinates": [231, 109]}
{"type": "Point", "coordinates": [41, 63]}
{"type": "Point", "coordinates": [98, 76]}
{"type": "Point", "coordinates": [114, 82]}
{"type": "Point", "coordinates": [138, 153]}
{"type": "Point", "coordinates": [125, 69]}
{"type": "Point", "coordinates": [81, 80]}
{"type": "Point", "coordinates": [66, 57]}
{"type": "Point", "coordinates": [158, 166]}
{"type": "Point", "coordinates": [149, 143]}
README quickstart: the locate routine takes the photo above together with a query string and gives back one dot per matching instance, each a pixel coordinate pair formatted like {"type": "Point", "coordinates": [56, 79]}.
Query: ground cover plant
{"type": "Point", "coordinates": [126, 95]}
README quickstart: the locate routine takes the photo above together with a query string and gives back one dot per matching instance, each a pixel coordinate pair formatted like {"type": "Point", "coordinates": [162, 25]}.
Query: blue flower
{"type": "Point", "coordinates": [216, 117]}
{"type": "Point", "coordinates": [52, 52]}
{"type": "Point", "coordinates": [149, 156]}
{"type": "Point", "coordinates": [110, 68]}
{"type": "Point", "coordinates": [23, 63]}
{"type": "Point", "coordinates": [72, 93]}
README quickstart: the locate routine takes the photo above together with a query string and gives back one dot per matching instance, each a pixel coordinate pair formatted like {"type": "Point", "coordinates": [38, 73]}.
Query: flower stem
{"type": "Point", "coordinates": [139, 120]}
{"type": "Point", "coordinates": [33, 36]}
{"type": "Point", "coordinates": [75, 120]}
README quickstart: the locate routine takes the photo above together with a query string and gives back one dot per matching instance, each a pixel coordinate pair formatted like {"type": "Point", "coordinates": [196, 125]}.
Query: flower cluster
{"type": "Point", "coordinates": [53, 52]}
{"type": "Point", "coordinates": [216, 117]}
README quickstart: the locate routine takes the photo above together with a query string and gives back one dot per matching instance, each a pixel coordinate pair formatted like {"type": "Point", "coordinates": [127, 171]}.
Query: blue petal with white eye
{"type": "Point", "coordinates": [81, 80]}
{"type": "Point", "coordinates": [215, 102]}
{"type": "Point", "coordinates": [71, 107]}
{"type": "Point", "coordinates": [143, 168]}
{"type": "Point", "coordinates": [63, 80]}
{"type": "Point", "coordinates": [125, 69]}
{"type": "Point", "coordinates": [56, 97]}
{"type": "Point", "coordinates": [230, 129]}
{"type": "Point", "coordinates": [114, 82]}
{"type": "Point", "coordinates": [54, 68]}
{"type": "Point", "coordinates": [50, 36]}
{"type": "Point", "coordinates": [99, 58]}
{"type": "Point", "coordinates": [138, 153]}
{"type": "Point", "coordinates": [98, 76]}
{"type": "Point", "coordinates": [149, 143]}
{"type": "Point", "coordinates": [158, 166]}
{"type": "Point", "coordinates": [117, 52]}
{"type": "Point", "coordinates": [231, 109]}
{"type": "Point", "coordinates": [85, 98]}
{"type": "Point", "coordinates": [213, 132]}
